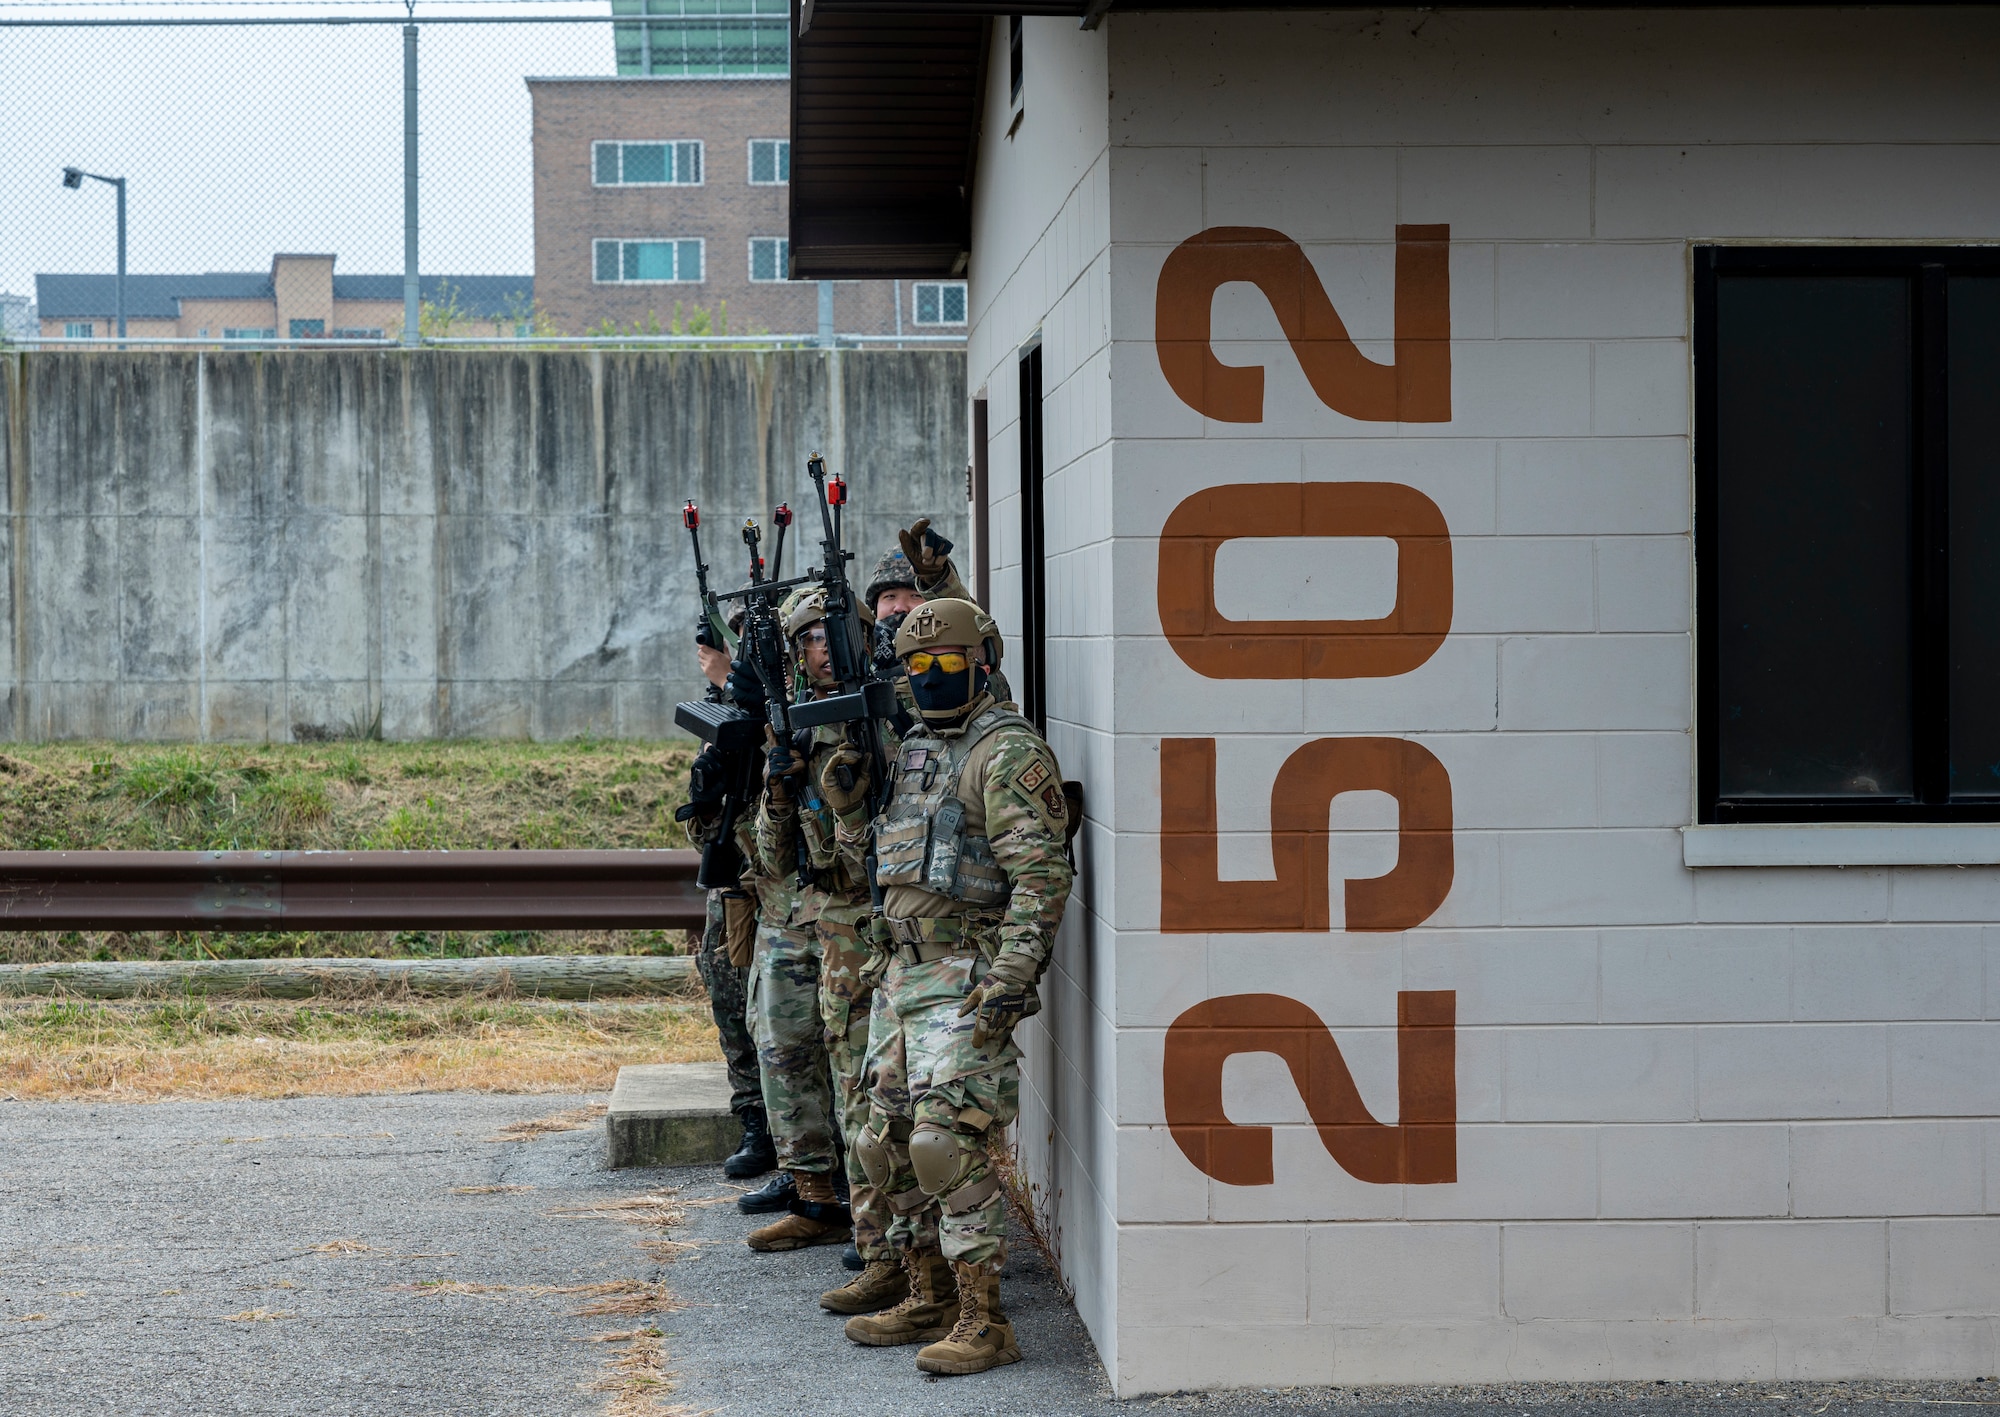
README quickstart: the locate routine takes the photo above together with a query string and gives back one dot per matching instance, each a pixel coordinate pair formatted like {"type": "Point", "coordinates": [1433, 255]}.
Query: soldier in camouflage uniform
{"type": "Point", "coordinates": [726, 981]}
{"type": "Point", "coordinates": [836, 903]}
{"type": "Point", "coordinates": [970, 853]}
{"type": "Point", "coordinates": [785, 989]}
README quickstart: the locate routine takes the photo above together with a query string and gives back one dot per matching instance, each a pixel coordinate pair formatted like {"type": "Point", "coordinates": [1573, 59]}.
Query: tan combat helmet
{"type": "Point", "coordinates": [804, 607]}
{"type": "Point", "coordinates": [950, 622]}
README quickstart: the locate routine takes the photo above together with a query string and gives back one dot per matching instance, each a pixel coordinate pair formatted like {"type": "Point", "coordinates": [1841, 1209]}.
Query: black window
{"type": "Point", "coordinates": [1847, 533]}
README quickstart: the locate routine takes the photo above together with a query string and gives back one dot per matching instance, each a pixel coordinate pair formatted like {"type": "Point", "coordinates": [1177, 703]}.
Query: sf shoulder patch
{"type": "Point", "coordinates": [1036, 785]}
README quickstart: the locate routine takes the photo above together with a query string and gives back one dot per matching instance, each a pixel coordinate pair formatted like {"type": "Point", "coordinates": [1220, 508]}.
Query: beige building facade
{"type": "Point", "coordinates": [1471, 461]}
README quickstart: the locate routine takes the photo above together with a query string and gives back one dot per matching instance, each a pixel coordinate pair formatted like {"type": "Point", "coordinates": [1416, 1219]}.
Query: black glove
{"type": "Point", "coordinates": [745, 687]}
{"type": "Point", "coordinates": [708, 777]}
{"type": "Point", "coordinates": [783, 765]}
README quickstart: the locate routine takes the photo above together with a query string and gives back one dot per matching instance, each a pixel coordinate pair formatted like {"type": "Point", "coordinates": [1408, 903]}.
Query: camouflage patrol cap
{"type": "Point", "coordinates": [950, 622]}
{"type": "Point", "coordinates": [893, 570]}
{"type": "Point", "coordinates": [804, 606]}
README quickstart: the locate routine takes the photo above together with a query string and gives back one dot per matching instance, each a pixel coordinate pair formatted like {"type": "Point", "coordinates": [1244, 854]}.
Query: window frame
{"type": "Point", "coordinates": [79, 329]}
{"type": "Point", "coordinates": [700, 158]}
{"type": "Point", "coordinates": [784, 146]}
{"type": "Point", "coordinates": [249, 332]}
{"type": "Point", "coordinates": [701, 243]}
{"type": "Point", "coordinates": [940, 286]}
{"type": "Point", "coordinates": [784, 260]}
{"type": "Point", "coordinates": [1929, 269]}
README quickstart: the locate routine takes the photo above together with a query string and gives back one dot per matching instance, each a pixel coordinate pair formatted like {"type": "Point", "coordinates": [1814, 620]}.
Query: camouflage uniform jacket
{"type": "Point", "coordinates": [839, 891]}
{"type": "Point", "coordinates": [1013, 875]}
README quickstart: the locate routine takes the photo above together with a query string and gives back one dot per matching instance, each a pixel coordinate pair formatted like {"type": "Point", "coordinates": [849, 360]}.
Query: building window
{"type": "Point", "coordinates": [675, 164]}
{"type": "Point", "coordinates": [769, 258]}
{"type": "Point", "coordinates": [79, 329]}
{"type": "Point", "coordinates": [249, 334]}
{"type": "Point", "coordinates": [357, 334]}
{"type": "Point", "coordinates": [703, 39]}
{"type": "Point", "coordinates": [657, 262]}
{"type": "Point", "coordinates": [939, 304]}
{"type": "Point", "coordinates": [308, 329]}
{"type": "Point", "coordinates": [770, 161]}
{"type": "Point", "coordinates": [1847, 461]}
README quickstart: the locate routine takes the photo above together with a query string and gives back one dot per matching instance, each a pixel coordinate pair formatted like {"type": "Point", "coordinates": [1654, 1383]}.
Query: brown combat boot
{"type": "Point", "coordinates": [983, 1339]}
{"type": "Point", "coordinates": [816, 1218]}
{"type": "Point", "coordinates": [925, 1313]}
{"type": "Point", "coordinates": [881, 1283]}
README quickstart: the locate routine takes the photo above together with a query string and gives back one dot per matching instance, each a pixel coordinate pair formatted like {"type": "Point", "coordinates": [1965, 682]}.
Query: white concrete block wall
{"type": "Point", "coordinates": [1715, 1123]}
{"type": "Point", "coordinates": [1041, 269]}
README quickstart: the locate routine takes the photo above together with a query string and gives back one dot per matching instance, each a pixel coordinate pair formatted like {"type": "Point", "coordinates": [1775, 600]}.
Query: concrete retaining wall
{"type": "Point", "coordinates": [262, 546]}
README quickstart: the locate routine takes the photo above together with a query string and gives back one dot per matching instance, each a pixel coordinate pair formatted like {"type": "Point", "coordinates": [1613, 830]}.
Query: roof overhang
{"type": "Point", "coordinates": [885, 123]}
{"type": "Point", "coordinates": [886, 100]}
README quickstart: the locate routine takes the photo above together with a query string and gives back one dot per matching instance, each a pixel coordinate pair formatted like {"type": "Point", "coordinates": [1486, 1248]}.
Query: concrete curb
{"type": "Point", "coordinates": [671, 1114]}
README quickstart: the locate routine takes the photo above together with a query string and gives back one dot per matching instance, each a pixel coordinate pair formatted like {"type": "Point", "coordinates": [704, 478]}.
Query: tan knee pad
{"type": "Point", "coordinates": [941, 1157]}
{"type": "Point", "coordinates": [876, 1163]}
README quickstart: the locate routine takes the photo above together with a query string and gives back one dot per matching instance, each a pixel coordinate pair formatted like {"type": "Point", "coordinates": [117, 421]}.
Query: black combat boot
{"type": "Point", "coordinates": [850, 1258]}
{"type": "Point", "coordinates": [756, 1154]}
{"type": "Point", "coordinates": [776, 1194]}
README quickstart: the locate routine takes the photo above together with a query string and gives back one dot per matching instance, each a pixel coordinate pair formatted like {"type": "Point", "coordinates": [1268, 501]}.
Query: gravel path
{"type": "Point", "coordinates": [161, 1259]}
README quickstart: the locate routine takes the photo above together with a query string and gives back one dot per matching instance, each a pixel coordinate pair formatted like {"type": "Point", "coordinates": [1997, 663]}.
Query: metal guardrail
{"type": "Point", "coordinates": [350, 890]}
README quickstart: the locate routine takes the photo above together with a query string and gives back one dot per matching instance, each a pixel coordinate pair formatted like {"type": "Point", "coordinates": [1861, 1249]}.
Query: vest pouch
{"type": "Point", "coordinates": [947, 840]}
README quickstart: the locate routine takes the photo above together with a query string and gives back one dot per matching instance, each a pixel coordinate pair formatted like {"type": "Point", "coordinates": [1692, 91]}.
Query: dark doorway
{"type": "Point", "coordinates": [1032, 659]}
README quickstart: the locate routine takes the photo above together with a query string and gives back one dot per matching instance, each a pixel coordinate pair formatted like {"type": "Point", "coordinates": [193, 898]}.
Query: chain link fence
{"type": "Point", "coordinates": [612, 172]}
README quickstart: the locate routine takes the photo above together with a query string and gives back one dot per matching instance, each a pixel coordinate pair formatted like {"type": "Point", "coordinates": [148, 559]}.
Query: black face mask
{"type": "Point", "coordinates": [883, 647]}
{"type": "Point", "coordinates": [942, 695]}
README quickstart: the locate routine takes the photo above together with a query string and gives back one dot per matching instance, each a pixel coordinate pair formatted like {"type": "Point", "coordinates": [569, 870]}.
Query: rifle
{"type": "Point", "coordinates": [709, 626]}
{"type": "Point", "coordinates": [736, 735]}
{"type": "Point", "coordinates": [863, 701]}
{"type": "Point", "coordinates": [762, 647]}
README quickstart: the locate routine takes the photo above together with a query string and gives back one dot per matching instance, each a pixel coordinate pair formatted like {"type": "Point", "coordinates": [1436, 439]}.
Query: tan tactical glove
{"type": "Point", "coordinates": [875, 935]}
{"type": "Point", "coordinates": [930, 564]}
{"type": "Point", "coordinates": [1004, 997]}
{"type": "Point", "coordinates": [849, 762]}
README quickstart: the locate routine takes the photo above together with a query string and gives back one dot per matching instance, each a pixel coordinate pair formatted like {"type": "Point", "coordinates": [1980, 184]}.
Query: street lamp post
{"type": "Point", "coordinates": [73, 178]}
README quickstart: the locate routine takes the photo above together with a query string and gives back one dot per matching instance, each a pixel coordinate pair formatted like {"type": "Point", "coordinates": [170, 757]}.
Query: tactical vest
{"type": "Point", "coordinates": [921, 839]}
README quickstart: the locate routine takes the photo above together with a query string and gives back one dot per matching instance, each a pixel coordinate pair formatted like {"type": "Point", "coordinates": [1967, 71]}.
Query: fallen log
{"type": "Point", "coordinates": [536, 976]}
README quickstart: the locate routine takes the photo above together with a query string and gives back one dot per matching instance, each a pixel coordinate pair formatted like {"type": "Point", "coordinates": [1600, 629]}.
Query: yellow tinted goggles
{"type": "Point", "coordinates": [951, 661]}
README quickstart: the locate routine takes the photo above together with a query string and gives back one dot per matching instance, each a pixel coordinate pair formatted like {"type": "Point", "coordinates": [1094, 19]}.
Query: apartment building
{"type": "Point", "coordinates": [664, 191]}
{"type": "Point", "coordinates": [299, 297]}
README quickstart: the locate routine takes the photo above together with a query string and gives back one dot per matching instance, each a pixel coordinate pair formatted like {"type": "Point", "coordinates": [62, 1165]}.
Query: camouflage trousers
{"type": "Point", "coordinates": [791, 1046]}
{"type": "Point", "coordinates": [844, 1001]}
{"type": "Point", "coordinates": [924, 1068]}
{"type": "Point", "coordinates": [726, 1001]}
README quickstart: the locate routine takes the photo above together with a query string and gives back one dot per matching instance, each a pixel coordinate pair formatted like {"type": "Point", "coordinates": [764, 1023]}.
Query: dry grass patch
{"type": "Point", "coordinates": [140, 1050]}
{"type": "Point", "coordinates": [662, 1208]}
{"type": "Point", "coordinates": [258, 1316]}
{"type": "Point", "coordinates": [488, 1190]}
{"type": "Point", "coordinates": [637, 1380]}
{"type": "Point", "coordinates": [574, 1120]}
{"type": "Point", "coordinates": [341, 1247]}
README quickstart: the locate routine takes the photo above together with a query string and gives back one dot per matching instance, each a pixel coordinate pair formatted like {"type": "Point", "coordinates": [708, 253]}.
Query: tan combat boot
{"type": "Point", "coordinates": [925, 1313]}
{"type": "Point", "coordinates": [816, 1218]}
{"type": "Point", "coordinates": [983, 1338]}
{"type": "Point", "coordinates": [879, 1285]}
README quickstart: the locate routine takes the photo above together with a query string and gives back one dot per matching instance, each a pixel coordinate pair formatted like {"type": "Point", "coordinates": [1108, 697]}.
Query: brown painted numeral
{"type": "Point", "coordinates": [1415, 389]}
{"type": "Point", "coordinates": [1420, 1148]}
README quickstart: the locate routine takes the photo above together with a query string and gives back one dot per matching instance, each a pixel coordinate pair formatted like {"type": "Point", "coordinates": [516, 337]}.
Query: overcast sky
{"type": "Point", "coordinates": [238, 142]}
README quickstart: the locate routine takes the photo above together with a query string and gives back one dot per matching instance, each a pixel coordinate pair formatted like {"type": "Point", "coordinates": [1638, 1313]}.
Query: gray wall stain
{"type": "Point", "coordinates": [468, 543]}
